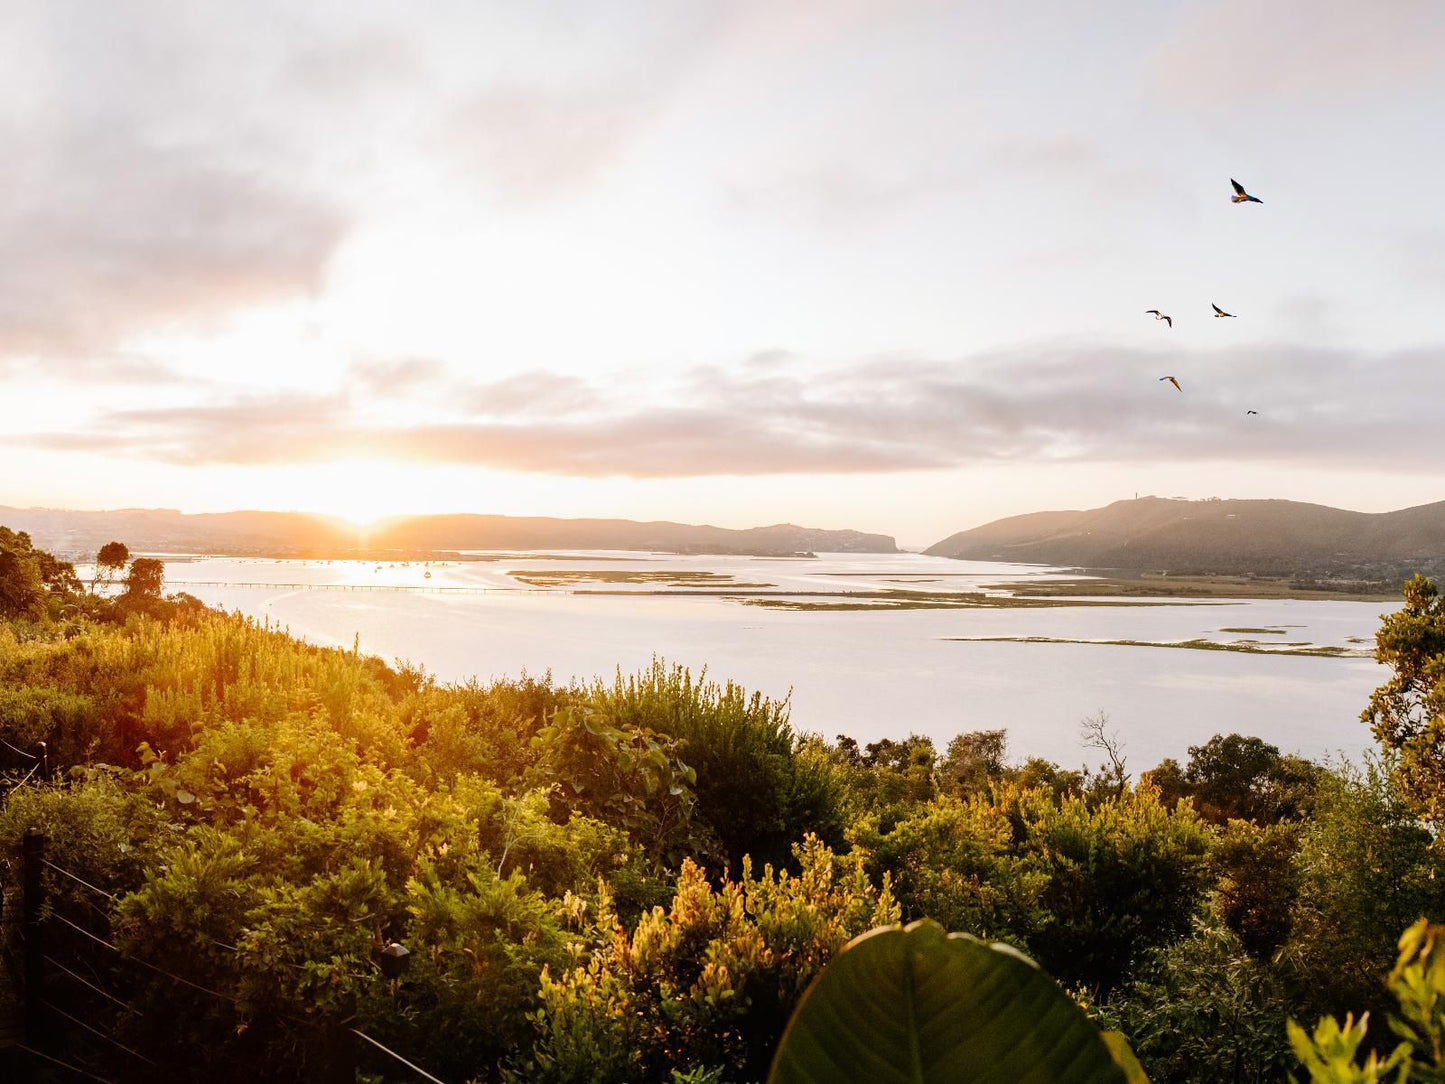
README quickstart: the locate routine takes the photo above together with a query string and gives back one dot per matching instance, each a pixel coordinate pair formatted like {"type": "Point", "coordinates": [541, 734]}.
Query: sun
{"type": "Point", "coordinates": [361, 495]}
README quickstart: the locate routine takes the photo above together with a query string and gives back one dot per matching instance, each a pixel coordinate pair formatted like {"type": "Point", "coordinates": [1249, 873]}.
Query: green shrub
{"type": "Point", "coordinates": [707, 982]}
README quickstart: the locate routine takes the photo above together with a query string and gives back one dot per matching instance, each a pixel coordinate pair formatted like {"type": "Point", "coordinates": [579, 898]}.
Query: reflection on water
{"type": "Point", "coordinates": [867, 674]}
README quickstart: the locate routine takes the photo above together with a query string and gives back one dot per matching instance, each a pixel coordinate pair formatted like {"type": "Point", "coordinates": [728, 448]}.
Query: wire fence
{"type": "Point", "coordinates": [60, 953]}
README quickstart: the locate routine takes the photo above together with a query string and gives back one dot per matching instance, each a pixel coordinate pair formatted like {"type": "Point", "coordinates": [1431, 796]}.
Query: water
{"type": "Point", "coordinates": [868, 674]}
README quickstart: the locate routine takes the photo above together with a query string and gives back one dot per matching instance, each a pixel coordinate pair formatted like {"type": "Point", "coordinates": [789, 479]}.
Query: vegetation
{"type": "Point", "coordinates": [902, 1005]}
{"type": "Point", "coordinates": [1306, 547]}
{"type": "Point", "coordinates": [1247, 647]}
{"type": "Point", "coordinates": [638, 879]}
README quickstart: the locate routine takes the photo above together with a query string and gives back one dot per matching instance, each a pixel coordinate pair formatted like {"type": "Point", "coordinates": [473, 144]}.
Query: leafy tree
{"type": "Point", "coordinates": [110, 562]}
{"type": "Point", "coordinates": [33, 583]}
{"type": "Point", "coordinates": [1256, 883]}
{"type": "Point", "coordinates": [890, 776]}
{"type": "Point", "coordinates": [1036, 772]}
{"type": "Point", "coordinates": [1366, 867]}
{"type": "Point", "coordinates": [630, 777]}
{"type": "Point", "coordinates": [22, 590]}
{"type": "Point", "coordinates": [145, 579]}
{"type": "Point", "coordinates": [1407, 713]}
{"type": "Point", "coordinates": [975, 758]}
{"type": "Point", "coordinates": [1169, 780]}
{"type": "Point", "coordinates": [1234, 777]}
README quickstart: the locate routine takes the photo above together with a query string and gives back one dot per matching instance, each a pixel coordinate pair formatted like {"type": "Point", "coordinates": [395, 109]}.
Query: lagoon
{"type": "Point", "coordinates": [866, 672]}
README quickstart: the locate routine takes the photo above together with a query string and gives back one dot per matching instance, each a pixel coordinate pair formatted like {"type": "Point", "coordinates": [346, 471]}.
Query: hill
{"type": "Point", "coordinates": [281, 534]}
{"type": "Point", "coordinates": [1268, 537]}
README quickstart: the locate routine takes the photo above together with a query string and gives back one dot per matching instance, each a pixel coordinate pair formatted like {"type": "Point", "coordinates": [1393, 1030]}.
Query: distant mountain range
{"type": "Point", "coordinates": [1264, 537]}
{"type": "Point", "coordinates": [279, 534]}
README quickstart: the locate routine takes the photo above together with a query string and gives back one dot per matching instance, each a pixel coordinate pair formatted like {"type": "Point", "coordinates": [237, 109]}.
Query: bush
{"type": "Point", "coordinates": [1124, 876]}
{"type": "Point", "coordinates": [708, 982]}
{"type": "Point", "coordinates": [758, 787]}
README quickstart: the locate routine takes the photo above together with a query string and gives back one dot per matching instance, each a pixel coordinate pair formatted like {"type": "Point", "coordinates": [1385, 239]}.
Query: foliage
{"type": "Point", "coordinates": [629, 776]}
{"type": "Point", "coordinates": [1331, 1052]}
{"type": "Point", "coordinates": [758, 787]}
{"type": "Point", "coordinates": [1257, 883]}
{"type": "Point", "coordinates": [1204, 1010]}
{"type": "Point", "coordinates": [708, 981]}
{"type": "Point", "coordinates": [888, 777]}
{"type": "Point", "coordinates": [110, 561]}
{"type": "Point", "coordinates": [1407, 713]}
{"type": "Point", "coordinates": [955, 860]}
{"type": "Point", "coordinates": [268, 815]}
{"type": "Point", "coordinates": [1234, 777]}
{"type": "Point", "coordinates": [914, 1005]}
{"type": "Point", "coordinates": [33, 584]}
{"type": "Point", "coordinates": [974, 758]}
{"type": "Point", "coordinates": [1366, 868]}
{"type": "Point", "coordinates": [1124, 876]}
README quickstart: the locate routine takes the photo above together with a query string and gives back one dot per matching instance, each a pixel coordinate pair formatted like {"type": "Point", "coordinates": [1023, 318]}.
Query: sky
{"type": "Point", "coordinates": [838, 263]}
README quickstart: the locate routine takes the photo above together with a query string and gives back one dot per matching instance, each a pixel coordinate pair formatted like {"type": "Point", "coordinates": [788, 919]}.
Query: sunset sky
{"type": "Point", "coordinates": [846, 264]}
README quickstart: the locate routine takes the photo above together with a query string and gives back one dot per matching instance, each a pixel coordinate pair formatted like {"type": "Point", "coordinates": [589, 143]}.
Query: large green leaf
{"type": "Point", "coordinates": [913, 1005]}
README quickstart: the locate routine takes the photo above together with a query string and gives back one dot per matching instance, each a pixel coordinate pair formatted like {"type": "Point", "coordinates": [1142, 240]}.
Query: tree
{"type": "Point", "coordinates": [22, 591]}
{"type": "Point", "coordinates": [1094, 732]}
{"type": "Point", "coordinates": [31, 580]}
{"type": "Point", "coordinates": [144, 580]}
{"type": "Point", "coordinates": [1257, 882]}
{"type": "Point", "coordinates": [975, 758]}
{"type": "Point", "coordinates": [1407, 713]}
{"type": "Point", "coordinates": [1233, 777]}
{"type": "Point", "coordinates": [1366, 868]}
{"type": "Point", "coordinates": [109, 563]}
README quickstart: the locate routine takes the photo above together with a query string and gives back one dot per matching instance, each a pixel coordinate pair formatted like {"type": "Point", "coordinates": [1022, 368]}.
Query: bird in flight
{"type": "Point", "coordinates": [1158, 316]}
{"type": "Point", "coordinates": [1220, 312]}
{"type": "Point", "coordinates": [1172, 381]}
{"type": "Point", "coordinates": [1240, 195]}
{"type": "Point", "coordinates": [1251, 412]}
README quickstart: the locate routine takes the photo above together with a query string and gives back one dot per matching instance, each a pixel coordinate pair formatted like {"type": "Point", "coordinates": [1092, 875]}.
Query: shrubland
{"type": "Point", "coordinates": [637, 879]}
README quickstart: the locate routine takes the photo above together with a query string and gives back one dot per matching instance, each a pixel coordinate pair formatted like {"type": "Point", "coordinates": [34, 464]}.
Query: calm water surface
{"type": "Point", "coordinates": [866, 674]}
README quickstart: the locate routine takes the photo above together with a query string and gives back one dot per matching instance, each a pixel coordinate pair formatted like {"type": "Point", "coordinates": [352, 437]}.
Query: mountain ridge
{"type": "Point", "coordinates": [261, 533]}
{"type": "Point", "coordinates": [1268, 537]}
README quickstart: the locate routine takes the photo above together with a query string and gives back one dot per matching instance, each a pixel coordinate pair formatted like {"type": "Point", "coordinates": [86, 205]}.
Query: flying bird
{"type": "Point", "coordinates": [1172, 381]}
{"type": "Point", "coordinates": [1240, 195]}
{"type": "Point", "coordinates": [1158, 316]}
{"type": "Point", "coordinates": [1251, 412]}
{"type": "Point", "coordinates": [1220, 312]}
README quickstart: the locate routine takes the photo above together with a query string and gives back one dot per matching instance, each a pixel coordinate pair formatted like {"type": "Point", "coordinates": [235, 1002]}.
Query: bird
{"type": "Point", "coordinates": [1220, 312]}
{"type": "Point", "coordinates": [1172, 381]}
{"type": "Point", "coordinates": [1251, 412]}
{"type": "Point", "coordinates": [1240, 195]}
{"type": "Point", "coordinates": [1158, 316]}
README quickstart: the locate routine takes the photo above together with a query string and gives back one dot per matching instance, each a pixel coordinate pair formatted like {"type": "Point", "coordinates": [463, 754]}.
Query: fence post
{"type": "Point", "coordinates": [44, 760]}
{"type": "Point", "coordinates": [339, 1059]}
{"type": "Point", "coordinates": [32, 906]}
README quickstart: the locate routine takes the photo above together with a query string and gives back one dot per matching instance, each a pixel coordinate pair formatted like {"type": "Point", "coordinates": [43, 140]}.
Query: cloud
{"type": "Point", "coordinates": [394, 376]}
{"type": "Point", "coordinates": [1342, 408]}
{"type": "Point", "coordinates": [854, 187]}
{"type": "Point", "coordinates": [1233, 52]}
{"type": "Point", "coordinates": [532, 144]}
{"type": "Point", "coordinates": [531, 393]}
{"type": "Point", "coordinates": [166, 166]}
{"type": "Point", "coordinates": [549, 130]}
{"type": "Point", "coordinates": [110, 234]}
